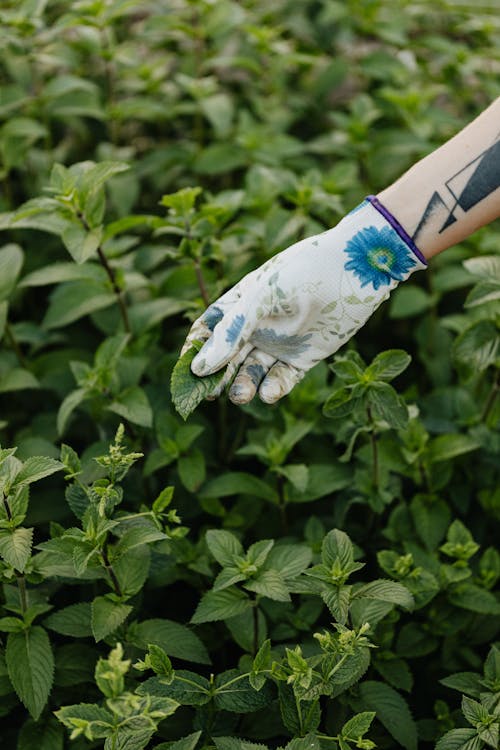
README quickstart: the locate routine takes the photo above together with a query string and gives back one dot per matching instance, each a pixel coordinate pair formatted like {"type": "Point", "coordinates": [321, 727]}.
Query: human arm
{"type": "Point", "coordinates": [454, 190]}
{"type": "Point", "coordinates": [304, 303]}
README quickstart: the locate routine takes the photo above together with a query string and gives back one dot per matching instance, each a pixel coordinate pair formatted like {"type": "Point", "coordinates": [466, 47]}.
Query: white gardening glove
{"type": "Point", "coordinates": [303, 304]}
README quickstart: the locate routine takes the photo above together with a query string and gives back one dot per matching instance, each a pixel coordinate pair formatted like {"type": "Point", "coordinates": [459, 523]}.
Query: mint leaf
{"type": "Point", "coordinates": [223, 545]}
{"type": "Point", "coordinates": [176, 639]}
{"type": "Point", "coordinates": [107, 616]}
{"type": "Point", "coordinates": [392, 710]}
{"type": "Point", "coordinates": [187, 389]}
{"type": "Point", "coordinates": [74, 620]}
{"type": "Point", "coordinates": [15, 546]}
{"type": "Point", "coordinates": [30, 664]}
{"type": "Point", "coordinates": [219, 605]}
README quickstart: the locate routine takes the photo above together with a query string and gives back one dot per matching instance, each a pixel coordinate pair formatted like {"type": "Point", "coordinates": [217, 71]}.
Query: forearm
{"type": "Point", "coordinates": [455, 190]}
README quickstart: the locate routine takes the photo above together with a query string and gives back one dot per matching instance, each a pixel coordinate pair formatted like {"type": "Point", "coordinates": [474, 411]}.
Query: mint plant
{"type": "Point", "coordinates": [322, 573]}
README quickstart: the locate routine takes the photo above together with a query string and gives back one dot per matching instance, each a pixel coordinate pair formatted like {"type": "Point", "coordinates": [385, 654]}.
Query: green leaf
{"type": "Point", "coordinates": [464, 682]}
{"type": "Point", "coordinates": [81, 713]}
{"type": "Point", "coordinates": [387, 405]}
{"type": "Point", "coordinates": [444, 447]}
{"type": "Point", "coordinates": [482, 293]}
{"type": "Point", "coordinates": [323, 479]}
{"type": "Point", "coordinates": [219, 605]}
{"type": "Point", "coordinates": [387, 365]}
{"type": "Point", "coordinates": [492, 665]}
{"type": "Point", "coordinates": [487, 267]}
{"type": "Point", "coordinates": [297, 475]}
{"type": "Point", "coordinates": [387, 591]}
{"type": "Point", "coordinates": [395, 671]}
{"type": "Point", "coordinates": [11, 262]}
{"type": "Point", "coordinates": [64, 271]}
{"type": "Point", "coordinates": [391, 710]}
{"type": "Point", "coordinates": [136, 536]}
{"type": "Point", "coordinates": [409, 300]}
{"type": "Point", "coordinates": [289, 714]}
{"type": "Point", "coordinates": [37, 467]}
{"type": "Point", "coordinates": [73, 620]}
{"type": "Point", "coordinates": [75, 299]}
{"type": "Point", "coordinates": [133, 405]}
{"type": "Point", "coordinates": [30, 664]}
{"type": "Point", "coordinates": [223, 545]}
{"type": "Point", "coordinates": [337, 546]}
{"type": "Point", "coordinates": [187, 688]}
{"type": "Point", "coordinates": [175, 639]}
{"type": "Point", "coordinates": [479, 345]}
{"type": "Point", "coordinates": [17, 379]}
{"type": "Point", "coordinates": [238, 483]}
{"type": "Point", "coordinates": [240, 696]}
{"type": "Point", "coordinates": [67, 407]}
{"type": "Point", "coordinates": [107, 616]}
{"type": "Point", "coordinates": [358, 725]}
{"type": "Point", "coordinates": [289, 559]}
{"type": "Point", "coordinates": [192, 470]}
{"type": "Point", "coordinates": [269, 583]}
{"type": "Point", "coordinates": [475, 599]}
{"type": "Point", "coordinates": [47, 734]}
{"type": "Point", "coordinates": [338, 600]}
{"type": "Point", "coordinates": [460, 739]}
{"type": "Point", "coordinates": [81, 243]}
{"type": "Point", "coordinates": [145, 315]}
{"type": "Point", "coordinates": [15, 546]}
{"type": "Point", "coordinates": [187, 389]}
{"type": "Point", "coordinates": [474, 712]}
{"type": "Point", "coordinates": [186, 743]}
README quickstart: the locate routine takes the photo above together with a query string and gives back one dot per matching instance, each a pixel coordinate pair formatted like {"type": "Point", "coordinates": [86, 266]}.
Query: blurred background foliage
{"type": "Point", "coordinates": [284, 115]}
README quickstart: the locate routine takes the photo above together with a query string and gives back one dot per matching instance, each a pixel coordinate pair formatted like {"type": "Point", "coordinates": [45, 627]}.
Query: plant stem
{"type": "Point", "coordinates": [282, 504]}
{"type": "Point", "coordinates": [7, 507]}
{"type": "Point", "coordinates": [14, 344]}
{"type": "Point", "coordinates": [111, 276]}
{"type": "Point", "coordinates": [299, 714]}
{"type": "Point", "coordinates": [111, 572]}
{"type": "Point", "coordinates": [21, 583]}
{"type": "Point", "coordinates": [201, 282]}
{"type": "Point", "coordinates": [492, 395]}
{"type": "Point", "coordinates": [255, 647]}
{"type": "Point", "coordinates": [373, 441]}
{"type": "Point", "coordinates": [116, 288]}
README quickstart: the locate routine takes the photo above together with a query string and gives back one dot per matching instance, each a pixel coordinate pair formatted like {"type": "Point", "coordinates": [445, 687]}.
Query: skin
{"type": "Point", "coordinates": [455, 190]}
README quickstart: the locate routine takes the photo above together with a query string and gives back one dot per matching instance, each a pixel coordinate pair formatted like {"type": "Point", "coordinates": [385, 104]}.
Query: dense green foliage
{"type": "Point", "coordinates": [318, 574]}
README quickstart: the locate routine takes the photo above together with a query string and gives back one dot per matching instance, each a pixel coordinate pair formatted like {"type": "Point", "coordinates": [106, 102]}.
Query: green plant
{"type": "Point", "coordinates": [328, 573]}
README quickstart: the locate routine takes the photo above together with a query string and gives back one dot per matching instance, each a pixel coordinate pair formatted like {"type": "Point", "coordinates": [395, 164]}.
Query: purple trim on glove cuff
{"type": "Point", "coordinates": [396, 226]}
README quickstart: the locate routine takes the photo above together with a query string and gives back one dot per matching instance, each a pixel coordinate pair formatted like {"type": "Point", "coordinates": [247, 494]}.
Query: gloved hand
{"type": "Point", "coordinates": [303, 304]}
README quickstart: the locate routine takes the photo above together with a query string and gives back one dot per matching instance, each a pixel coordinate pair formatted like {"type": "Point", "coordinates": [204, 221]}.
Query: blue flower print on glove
{"type": "Point", "coordinates": [378, 256]}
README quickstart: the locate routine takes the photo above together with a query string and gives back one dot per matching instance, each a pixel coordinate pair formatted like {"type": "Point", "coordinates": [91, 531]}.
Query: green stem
{"type": "Point", "coordinates": [116, 288]}
{"type": "Point", "coordinates": [299, 714]}
{"type": "Point", "coordinates": [14, 344]}
{"type": "Point", "coordinates": [373, 441]}
{"type": "Point", "coordinates": [255, 628]}
{"type": "Point", "coordinates": [21, 583]}
{"type": "Point", "coordinates": [111, 572]}
{"type": "Point", "coordinates": [282, 504]}
{"type": "Point", "coordinates": [201, 282]}
{"type": "Point", "coordinates": [7, 507]}
{"type": "Point", "coordinates": [111, 276]}
{"type": "Point", "coordinates": [492, 395]}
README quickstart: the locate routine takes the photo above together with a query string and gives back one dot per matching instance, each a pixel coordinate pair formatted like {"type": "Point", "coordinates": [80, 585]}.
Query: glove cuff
{"type": "Point", "coordinates": [397, 227]}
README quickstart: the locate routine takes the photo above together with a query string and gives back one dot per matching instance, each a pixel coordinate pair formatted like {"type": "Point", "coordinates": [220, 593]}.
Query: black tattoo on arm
{"type": "Point", "coordinates": [467, 187]}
